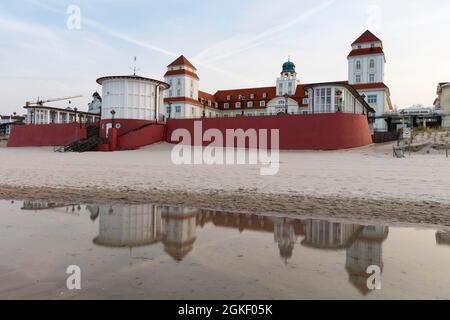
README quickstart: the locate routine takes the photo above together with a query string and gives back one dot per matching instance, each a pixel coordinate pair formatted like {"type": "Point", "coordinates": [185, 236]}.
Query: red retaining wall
{"type": "Point", "coordinates": [48, 135]}
{"type": "Point", "coordinates": [123, 125]}
{"type": "Point", "coordinates": [143, 137]}
{"type": "Point", "coordinates": [332, 131]}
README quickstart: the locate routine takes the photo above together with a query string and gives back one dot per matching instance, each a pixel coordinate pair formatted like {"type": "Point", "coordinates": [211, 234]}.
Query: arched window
{"type": "Point", "coordinates": [358, 65]}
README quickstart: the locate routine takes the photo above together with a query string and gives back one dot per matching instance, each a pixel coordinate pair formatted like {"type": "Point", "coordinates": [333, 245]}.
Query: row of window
{"type": "Point", "coordinates": [179, 93]}
{"type": "Point", "coordinates": [371, 78]}
{"type": "Point", "coordinates": [371, 64]}
{"type": "Point", "coordinates": [372, 45]}
{"type": "Point", "coordinates": [252, 96]}
{"type": "Point", "coordinates": [179, 82]}
{"type": "Point", "coordinates": [238, 105]}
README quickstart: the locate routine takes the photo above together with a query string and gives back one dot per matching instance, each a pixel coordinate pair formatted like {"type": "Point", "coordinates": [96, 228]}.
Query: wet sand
{"type": "Point", "coordinates": [424, 213]}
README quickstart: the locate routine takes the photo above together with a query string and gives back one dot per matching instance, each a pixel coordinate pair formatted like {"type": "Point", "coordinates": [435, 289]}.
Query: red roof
{"type": "Point", "coordinates": [221, 96]}
{"type": "Point", "coordinates": [363, 86]}
{"type": "Point", "coordinates": [367, 37]}
{"type": "Point", "coordinates": [182, 61]}
{"type": "Point", "coordinates": [181, 99]}
{"type": "Point", "coordinates": [181, 71]}
{"type": "Point", "coordinates": [206, 96]}
{"type": "Point", "coordinates": [366, 51]}
{"type": "Point", "coordinates": [271, 93]}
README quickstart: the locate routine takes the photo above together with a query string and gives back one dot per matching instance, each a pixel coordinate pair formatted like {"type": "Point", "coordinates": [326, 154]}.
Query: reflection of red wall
{"type": "Point", "coordinates": [125, 125]}
{"type": "Point", "coordinates": [143, 137]}
{"type": "Point", "coordinates": [47, 135]}
{"type": "Point", "coordinates": [331, 131]}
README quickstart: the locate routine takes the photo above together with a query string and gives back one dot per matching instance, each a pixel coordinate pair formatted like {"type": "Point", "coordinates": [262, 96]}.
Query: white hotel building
{"type": "Point", "coordinates": [364, 92]}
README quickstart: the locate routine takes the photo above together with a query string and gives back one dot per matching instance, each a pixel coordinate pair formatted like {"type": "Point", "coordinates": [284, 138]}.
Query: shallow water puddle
{"type": "Point", "coordinates": [162, 252]}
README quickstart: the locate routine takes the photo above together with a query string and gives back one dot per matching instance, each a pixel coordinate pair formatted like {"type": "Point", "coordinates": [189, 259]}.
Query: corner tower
{"type": "Point", "coordinates": [366, 60]}
{"type": "Point", "coordinates": [182, 97]}
{"type": "Point", "coordinates": [366, 64]}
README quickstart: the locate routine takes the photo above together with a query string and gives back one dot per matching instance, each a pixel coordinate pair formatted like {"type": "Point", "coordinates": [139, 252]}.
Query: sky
{"type": "Point", "coordinates": [58, 48]}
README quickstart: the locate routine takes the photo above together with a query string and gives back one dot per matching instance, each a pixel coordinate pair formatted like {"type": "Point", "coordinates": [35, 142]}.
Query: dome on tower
{"type": "Point", "coordinates": [288, 67]}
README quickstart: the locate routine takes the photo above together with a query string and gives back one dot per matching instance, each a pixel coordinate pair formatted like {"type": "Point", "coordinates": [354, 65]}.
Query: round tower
{"type": "Point", "coordinates": [130, 102]}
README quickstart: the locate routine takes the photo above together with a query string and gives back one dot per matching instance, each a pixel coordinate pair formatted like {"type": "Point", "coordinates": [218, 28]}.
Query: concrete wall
{"type": "Point", "coordinates": [331, 131]}
{"type": "Point", "coordinates": [48, 135]}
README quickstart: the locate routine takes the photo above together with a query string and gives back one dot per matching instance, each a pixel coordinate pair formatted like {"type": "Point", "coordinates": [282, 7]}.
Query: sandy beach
{"type": "Point", "coordinates": [361, 184]}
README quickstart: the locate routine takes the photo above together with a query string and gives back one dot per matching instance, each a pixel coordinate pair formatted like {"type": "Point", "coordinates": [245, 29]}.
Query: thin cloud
{"type": "Point", "coordinates": [259, 39]}
{"type": "Point", "coordinates": [143, 44]}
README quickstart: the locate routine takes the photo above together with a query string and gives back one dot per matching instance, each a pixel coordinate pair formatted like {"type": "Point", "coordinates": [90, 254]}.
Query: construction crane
{"type": "Point", "coordinates": [42, 102]}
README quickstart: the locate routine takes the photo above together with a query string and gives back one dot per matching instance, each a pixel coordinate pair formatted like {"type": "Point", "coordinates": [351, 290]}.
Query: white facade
{"type": "Point", "coordinates": [281, 105]}
{"type": "Point", "coordinates": [182, 85]}
{"type": "Point", "coordinates": [366, 69]}
{"type": "Point", "coordinates": [48, 115]}
{"type": "Point", "coordinates": [287, 84]}
{"type": "Point", "coordinates": [329, 98]}
{"type": "Point", "coordinates": [132, 97]}
{"type": "Point", "coordinates": [443, 103]}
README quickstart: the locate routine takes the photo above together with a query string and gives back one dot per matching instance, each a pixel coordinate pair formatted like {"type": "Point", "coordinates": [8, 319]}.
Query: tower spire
{"type": "Point", "coordinates": [134, 68]}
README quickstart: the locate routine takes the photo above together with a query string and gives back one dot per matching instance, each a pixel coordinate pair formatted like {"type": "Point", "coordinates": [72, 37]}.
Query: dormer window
{"type": "Point", "coordinates": [228, 98]}
{"type": "Point", "coordinates": [252, 96]}
{"type": "Point", "coordinates": [264, 95]}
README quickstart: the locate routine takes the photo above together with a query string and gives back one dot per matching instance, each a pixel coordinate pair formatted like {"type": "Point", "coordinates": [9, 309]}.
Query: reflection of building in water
{"type": "Point", "coordinates": [443, 237]}
{"type": "Point", "coordinates": [285, 236]}
{"type": "Point", "coordinates": [286, 231]}
{"type": "Point", "coordinates": [42, 205]}
{"type": "Point", "coordinates": [179, 228]}
{"type": "Point", "coordinates": [141, 225]}
{"type": "Point", "coordinates": [94, 210]}
{"type": "Point", "coordinates": [329, 235]}
{"type": "Point", "coordinates": [129, 226]}
{"type": "Point", "coordinates": [365, 251]}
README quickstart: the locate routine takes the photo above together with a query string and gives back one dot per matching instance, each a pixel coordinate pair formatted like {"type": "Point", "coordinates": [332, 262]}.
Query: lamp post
{"type": "Point", "coordinates": [286, 102]}
{"type": "Point", "coordinates": [113, 113]}
{"type": "Point", "coordinates": [170, 109]}
{"type": "Point", "coordinates": [363, 96]}
{"type": "Point", "coordinates": [75, 109]}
